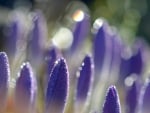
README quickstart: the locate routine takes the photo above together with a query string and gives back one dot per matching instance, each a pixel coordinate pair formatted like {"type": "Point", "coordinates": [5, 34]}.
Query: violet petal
{"type": "Point", "coordinates": [38, 35]}
{"type": "Point", "coordinates": [57, 89]}
{"type": "Point", "coordinates": [112, 103]}
{"type": "Point", "coordinates": [85, 77]}
{"type": "Point", "coordinates": [80, 32]}
{"type": "Point", "coordinates": [25, 91]}
{"type": "Point", "coordinates": [136, 63]}
{"type": "Point", "coordinates": [51, 55]}
{"type": "Point", "coordinates": [102, 46]}
{"type": "Point", "coordinates": [131, 99]}
{"type": "Point", "coordinates": [4, 78]}
{"type": "Point", "coordinates": [13, 36]}
{"type": "Point", "coordinates": [116, 52]}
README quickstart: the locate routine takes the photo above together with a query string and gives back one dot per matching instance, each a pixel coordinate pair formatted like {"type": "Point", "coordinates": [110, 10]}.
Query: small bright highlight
{"type": "Point", "coordinates": [78, 16]}
{"type": "Point", "coordinates": [63, 38]}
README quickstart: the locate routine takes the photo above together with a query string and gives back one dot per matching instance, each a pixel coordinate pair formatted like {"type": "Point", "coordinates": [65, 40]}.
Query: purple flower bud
{"type": "Point", "coordinates": [13, 37]}
{"type": "Point", "coordinates": [51, 56]}
{"type": "Point", "coordinates": [125, 63]}
{"type": "Point", "coordinates": [38, 36]}
{"type": "Point", "coordinates": [116, 52]}
{"type": "Point", "coordinates": [85, 77]}
{"type": "Point", "coordinates": [80, 32]}
{"type": "Point", "coordinates": [102, 45]}
{"type": "Point", "coordinates": [25, 91]}
{"type": "Point", "coordinates": [4, 78]}
{"type": "Point", "coordinates": [136, 63]}
{"type": "Point", "coordinates": [124, 69]}
{"type": "Point", "coordinates": [131, 98]}
{"type": "Point", "coordinates": [57, 88]}
{"type": "Point", "coordinates": [112, 103]}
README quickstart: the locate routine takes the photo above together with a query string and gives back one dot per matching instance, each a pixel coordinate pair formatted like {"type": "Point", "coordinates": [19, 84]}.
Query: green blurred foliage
{"type": "Point", "coordinates": [126, 15]}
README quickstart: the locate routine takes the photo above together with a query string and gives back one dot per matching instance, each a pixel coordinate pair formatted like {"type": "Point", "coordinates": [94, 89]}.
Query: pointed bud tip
{"type": "Point", "coordinates": [25, 90]}
{"type": "Point", "coordinates": [85, 78]}
{"type": "Point", "coordinates": [4, 79]}
{"type": "Point", "coordinates": [57, 89]}
{"type": "Point", "coordinates": [112, 104]}
{"type": "Point", "coordinates": [26, 83]}
{"type": "Point", "coordinates": [4, 69]}
{"type": "Point", "coordinates": [26, 70]}
{"type": "Point", "coordinates": [3, 54]}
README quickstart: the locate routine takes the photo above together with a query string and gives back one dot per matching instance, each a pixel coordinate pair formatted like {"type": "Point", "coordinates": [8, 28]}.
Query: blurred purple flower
{"type": "Point", "coordinates": [134, 63]}
{"type": "Point", "coordinates": [102, 46]}
{"type": "Point", "coordinates": [13, 36]}
{"type": "Point", "coordinates": [80, 32]}
{"type": "Point", "coordinates": [132, 98]}
{"type": "Point", "coordinates": [38, 36]}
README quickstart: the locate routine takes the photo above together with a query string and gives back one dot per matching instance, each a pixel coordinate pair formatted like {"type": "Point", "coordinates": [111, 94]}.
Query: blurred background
{"type": "Point", "coordinates": [130, 17]}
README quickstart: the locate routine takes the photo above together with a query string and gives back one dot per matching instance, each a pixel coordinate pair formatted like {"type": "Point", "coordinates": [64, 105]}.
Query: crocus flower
{"type": "Point", "coordinates": [26, 90]}
{"type": "Point", "coordinates": [4, 80]}
{"type": "Point", "coordinates": [81, 29]}
{"type": "Point", "coordinates": [57, 88]}
{"type": "Point", "coordinates": [85, 78]}
{"type": "Point", "coordinates": [112, 103]}
{"type": "Point", "coordinates": [84, 82]}
{"type": "Point", "coordinates": [100, 44]}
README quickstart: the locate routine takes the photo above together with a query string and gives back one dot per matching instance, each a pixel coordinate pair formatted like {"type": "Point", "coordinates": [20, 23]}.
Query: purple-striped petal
{"type": "Point", "coordinates": [4, 78]}
{"type": "Point", "coordinates": [116, 52]}
{"type": "Point", "coordinates": [85, 77]}
{"type": "Point", "coordinates": [25, 91]}
{"type": "Point", "coordinates": [57, 88]}
{"type": "Point", "coordinates": [51, 55]}
{"type": "Point", "coordinates": [38, 36]}
{"type": "Point", "coordinates": [136, 63]}
{"type": "Point", "coordinates": [80, 31]}
{"type": "Point", "coordinates": [13, 36]}
{"type": "Point", "coordinates": [112, 103]}
{"type": "Point", "coordinates": [102, 44]}
{"type": "Point", "coordinates": [132, 98]}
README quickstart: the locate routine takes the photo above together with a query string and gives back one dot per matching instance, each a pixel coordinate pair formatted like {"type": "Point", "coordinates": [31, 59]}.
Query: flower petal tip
{"type": "Point", "coordinates": [26, 89]}
{"type": "Point", "coordinates": [4, 68]}
{"type": "Point", "coordinates": [4, 79]}
{"type": "Point", "coordinates": [111, 104]}
{"type": "Point", "coordinates": [85, 78]}
{"type": "Point", "coordinates": [57, 89]}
